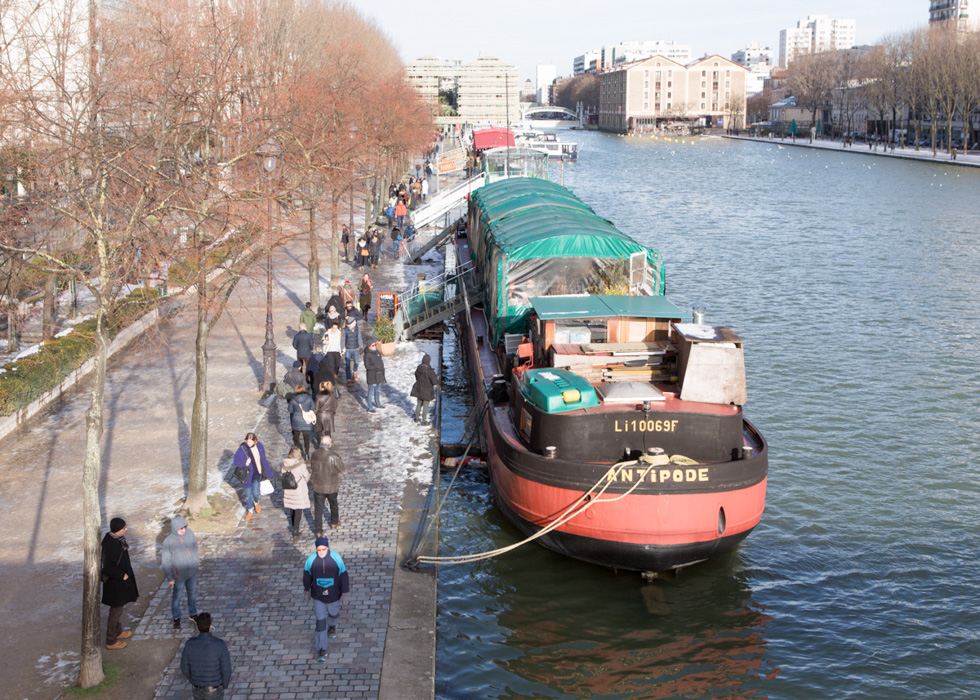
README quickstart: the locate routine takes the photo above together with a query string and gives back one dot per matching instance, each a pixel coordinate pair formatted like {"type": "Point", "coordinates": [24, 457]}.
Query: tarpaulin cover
{"type": "Point", "coordinates": [492, 138]}
{"type": "Point", "coordinates": [532, 238]}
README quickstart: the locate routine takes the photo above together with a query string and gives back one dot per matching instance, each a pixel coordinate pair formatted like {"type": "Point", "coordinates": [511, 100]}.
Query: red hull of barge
{"type": "Point", "coordinates": [657, 527]}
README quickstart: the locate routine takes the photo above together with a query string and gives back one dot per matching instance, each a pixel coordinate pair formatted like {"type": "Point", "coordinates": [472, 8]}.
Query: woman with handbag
{"type": "Point", "coordinates": [295, 487]}
{"type": "Point", "coordinates": [250, 457]}
{"type": "Point", "coordinates": [302, 418]}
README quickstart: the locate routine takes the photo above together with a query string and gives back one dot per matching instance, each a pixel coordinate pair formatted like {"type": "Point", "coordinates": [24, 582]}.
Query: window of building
{"type": "Point", "coordinates": [702, 105]}
{"type": "Point", "coordinates": [657, 75]}
{"type": "Point", "coordinates": [704, 73]}
{"type": "Point", "coordinates": [669, 83]}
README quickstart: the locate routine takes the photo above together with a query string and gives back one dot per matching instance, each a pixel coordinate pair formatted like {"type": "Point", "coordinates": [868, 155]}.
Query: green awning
{"type": "Point", "coordinates": [552, 308]}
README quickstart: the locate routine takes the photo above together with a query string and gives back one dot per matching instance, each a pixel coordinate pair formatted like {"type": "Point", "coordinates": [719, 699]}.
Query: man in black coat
{"type": "Point", "coordinates": [119, 584]}
{"type": "Point", "coordinates": [206, 663]}
{"type": "Point", "coordinates": [424, 389]}
{"type": "Point", "coordinates": [374, 367]}
{"type": "Point", "coordinates": [303, 342]}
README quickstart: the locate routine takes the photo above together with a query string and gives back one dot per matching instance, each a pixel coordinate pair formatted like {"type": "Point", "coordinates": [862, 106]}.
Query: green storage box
{"type": "Point", "coordinates": [557, 390]}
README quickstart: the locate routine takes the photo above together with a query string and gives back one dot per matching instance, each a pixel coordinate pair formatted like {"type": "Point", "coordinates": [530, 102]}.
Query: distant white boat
{"type": "Point", "coordinates": [548, 143]}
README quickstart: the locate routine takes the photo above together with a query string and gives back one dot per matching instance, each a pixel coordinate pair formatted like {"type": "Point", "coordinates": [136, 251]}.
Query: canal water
{"type": "Point", "coordinates": [854, 281]}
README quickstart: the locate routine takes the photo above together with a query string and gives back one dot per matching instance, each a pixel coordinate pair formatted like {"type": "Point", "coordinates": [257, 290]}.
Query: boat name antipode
{"type": "Point", "coordinates": [659, 476]}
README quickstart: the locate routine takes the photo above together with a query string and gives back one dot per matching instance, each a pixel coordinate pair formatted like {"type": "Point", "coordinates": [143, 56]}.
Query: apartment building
{"type": "Point", "coordinates": [545, 76]}
{"type": "Point", "coordinates": [955, 13]}
{"type": "Point", "coordinates": [658, 92]}
{"type": "Point", "coordinates": [759, 61]}
{"type": "Point", "coordinates": [815, 34]}
{"type": "Point", "coordinates": [488, 90]}
{"type": "Point", "coordinates": [613, 55]}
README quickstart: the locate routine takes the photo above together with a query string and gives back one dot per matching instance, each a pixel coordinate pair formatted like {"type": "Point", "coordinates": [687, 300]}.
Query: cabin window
{"type": "Point", "coordinates": [580, 332]}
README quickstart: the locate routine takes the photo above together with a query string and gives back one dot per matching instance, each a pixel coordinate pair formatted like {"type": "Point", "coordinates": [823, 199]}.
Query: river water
{"type": "Point", "coordinates": [854, 281]}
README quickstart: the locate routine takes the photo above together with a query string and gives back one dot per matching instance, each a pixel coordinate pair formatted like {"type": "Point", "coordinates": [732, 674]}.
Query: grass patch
{"type": "Point", "coordinates": [112, 672]}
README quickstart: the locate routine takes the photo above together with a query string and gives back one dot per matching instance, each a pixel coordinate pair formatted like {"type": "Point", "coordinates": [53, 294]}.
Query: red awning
{"type": "Point", "coordinates": [492, 138]}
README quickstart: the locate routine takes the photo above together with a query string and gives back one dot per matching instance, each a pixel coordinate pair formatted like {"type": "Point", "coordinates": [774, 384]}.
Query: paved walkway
{"type": "Point", "coordinates": [923, 154]}
{"type": "Point", "coordinates": [251, 578]}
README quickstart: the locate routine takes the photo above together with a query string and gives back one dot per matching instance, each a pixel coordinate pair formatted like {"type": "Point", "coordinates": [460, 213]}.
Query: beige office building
{"type": "Point", "coordinates": [658, 93]}
{"type": "Point", "coordinates": [488, 90]}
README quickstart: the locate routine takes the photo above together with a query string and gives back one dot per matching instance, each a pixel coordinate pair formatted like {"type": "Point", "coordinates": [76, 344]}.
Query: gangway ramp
{"type": "Point", "coordinates": [444, 201]}
{"type": "Point", "coordinates": [434, 301]}
{"type": "Point", "coordinates": [419, 245]}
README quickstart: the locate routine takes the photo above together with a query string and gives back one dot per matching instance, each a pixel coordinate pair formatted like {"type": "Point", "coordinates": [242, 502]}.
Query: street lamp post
{"type": "Point", "coordinates": [269, 160]}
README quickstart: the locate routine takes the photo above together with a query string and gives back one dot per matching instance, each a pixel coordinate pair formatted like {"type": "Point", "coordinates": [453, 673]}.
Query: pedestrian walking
{"type": "Point", "coordinates": [180, 562]}
{"type": "Point", "coordinates": [326, 582]}
{"type": "Point", "coordinates": [206, 662]}
{"type": "Point", "coordinates": [374, 368]}
{"type": "Point", "coordinates": [345, 241]}
{"type": "Point", "coordinates": [118, 582]}
{"type": "Point", "coordinates": [296, 500]}
{"type": "Point", "coordinates": [374, 250]}
{"type": "Point", "coordinates": [303, 343]}
{"type": "Point", "coordinates": [300, 412]}
{"type": "Point", "coordinates": [326, 408]}
{"type": "Point", "coordinates": [424, 389]}
{"type": "Point", "coordinates": [327, 466]}
{"type": "Point", "coordinates": [329, 369]}
{"type": "Point", "coordinates": [425, 190]}
{"type": "Point", "coordinates": [352, 343]}
{"type": "Point", "coordinates": [308, 318]}
{"type": "Point", "coordinates": [400, 212]}
{"type": "Point", "coordinates": [362, 252]}
{"type": "Point", "coordinates": [396, 239]}
{"type": "Point", "coordinates": [250, 455]}
{"type": "Point", "coordinates": [366, 289]}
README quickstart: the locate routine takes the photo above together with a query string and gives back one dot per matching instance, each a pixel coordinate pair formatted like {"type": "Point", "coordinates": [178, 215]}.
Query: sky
{"type": "Point", "coordinates": [530, 32]}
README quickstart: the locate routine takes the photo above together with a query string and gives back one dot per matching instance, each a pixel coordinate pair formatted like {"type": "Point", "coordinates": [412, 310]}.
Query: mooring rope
{"type": "Point", "coordinates": [582, 504]}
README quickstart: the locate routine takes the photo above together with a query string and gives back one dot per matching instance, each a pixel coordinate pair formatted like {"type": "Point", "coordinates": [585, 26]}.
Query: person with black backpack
{"type": "Point", "coordinates": [295, 488]}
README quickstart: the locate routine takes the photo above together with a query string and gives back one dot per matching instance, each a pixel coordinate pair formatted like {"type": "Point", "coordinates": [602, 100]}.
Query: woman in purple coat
{"type": "Point", "coordinates": [250, 455]}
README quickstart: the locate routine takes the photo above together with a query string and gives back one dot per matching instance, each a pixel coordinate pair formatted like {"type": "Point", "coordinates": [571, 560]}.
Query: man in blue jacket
{"type": "Point", "coordinates": [325, 581]}
{"type": "Point", "coordinates": [206, 663]}
{"type": "Point", "coordinates": [180, 562]}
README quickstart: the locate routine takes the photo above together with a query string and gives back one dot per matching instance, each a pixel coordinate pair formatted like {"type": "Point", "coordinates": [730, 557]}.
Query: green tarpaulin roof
{"type": "Point", "coordinates": [595, 306]}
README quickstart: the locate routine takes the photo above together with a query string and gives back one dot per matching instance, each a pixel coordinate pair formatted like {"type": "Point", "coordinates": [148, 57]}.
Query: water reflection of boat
{"type": "Point", "coordinates": [614, 427]}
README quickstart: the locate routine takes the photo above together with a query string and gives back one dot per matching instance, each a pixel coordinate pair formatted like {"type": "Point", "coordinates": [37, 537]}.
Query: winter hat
{"type": "Point", "coordinates": [297, 364]}
{"type": "Point", "coordinates": [322, 542]}
{"type": "Point", "coordinates": [116, 524]}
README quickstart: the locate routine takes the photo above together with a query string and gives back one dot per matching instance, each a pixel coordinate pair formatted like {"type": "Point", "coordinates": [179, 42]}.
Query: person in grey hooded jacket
{"type": "Point", "coordinates": [180, 566]}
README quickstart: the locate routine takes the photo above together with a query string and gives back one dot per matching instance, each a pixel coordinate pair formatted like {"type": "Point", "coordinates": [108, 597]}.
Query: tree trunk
{"type": "Point", "coordinates": [335, 241]}
{"type": "Point", "coordinates": [314, 263]}
{"type": "Point", "coordinates": [50, 303]}
{"type": "Point", "coordinates": [91, 673]}
{"type": "Point", "coordinates": [197, 477]}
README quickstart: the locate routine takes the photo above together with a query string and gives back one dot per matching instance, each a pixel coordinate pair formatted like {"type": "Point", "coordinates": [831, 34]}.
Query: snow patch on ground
{"type": "Point", "coordinates": [59, 669]}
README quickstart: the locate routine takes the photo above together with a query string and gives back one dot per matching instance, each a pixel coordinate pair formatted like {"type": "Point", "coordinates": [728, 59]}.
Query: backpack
{"type": "Point", "coordinates": [289, 480]}
{"type": "Point", "coordinates": [283, 389]}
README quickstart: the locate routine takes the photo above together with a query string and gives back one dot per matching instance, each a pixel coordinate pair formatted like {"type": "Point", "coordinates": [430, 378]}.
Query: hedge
{"type": "Point", "coordinates": [28, 378]}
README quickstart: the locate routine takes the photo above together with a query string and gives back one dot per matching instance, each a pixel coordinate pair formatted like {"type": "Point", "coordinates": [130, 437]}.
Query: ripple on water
{"type": "Point", "coordinates": [855, 288]}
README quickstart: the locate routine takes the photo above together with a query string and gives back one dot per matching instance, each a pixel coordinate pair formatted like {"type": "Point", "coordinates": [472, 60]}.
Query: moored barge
{"type": "Point", "coordinates": [613, 420]}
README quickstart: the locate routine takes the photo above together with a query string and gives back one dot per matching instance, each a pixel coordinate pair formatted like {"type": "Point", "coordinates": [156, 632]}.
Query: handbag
{"type": "Point", "coordinates": [309, 417]}
{"type": "Point", "coordinates": [266, 487]}
{"type": "Point", "coordinates": [289, 480]}
{"type": "Point", "coordinates": [241, 473]}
